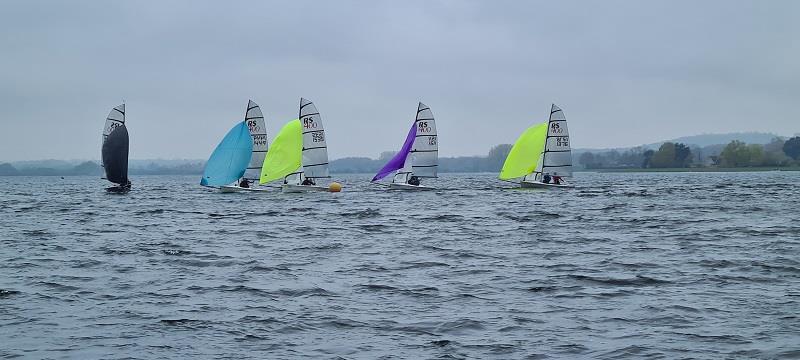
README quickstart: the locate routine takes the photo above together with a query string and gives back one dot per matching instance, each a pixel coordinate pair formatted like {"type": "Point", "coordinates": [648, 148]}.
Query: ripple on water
{"type": "Point", "coordinates": [623, 266]}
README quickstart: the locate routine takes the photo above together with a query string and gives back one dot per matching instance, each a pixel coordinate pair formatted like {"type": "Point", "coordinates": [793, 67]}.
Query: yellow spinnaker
{"type": "Point", "coordinates": [525, 153]}
{"type": "Point", "coordinates": [285, 153]}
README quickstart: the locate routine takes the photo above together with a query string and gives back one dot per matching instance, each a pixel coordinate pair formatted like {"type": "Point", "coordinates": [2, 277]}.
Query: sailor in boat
{"type": "Point", "coordinates": [413, 181]}
{"type": "Point", "coordinates": [556, 179]}
{"type": "Point", "coordinates": [546, 179]}
{"type": "Point", "coordinates": [308, 182]}
{"type": "Point", "coordinates": [244, 183]}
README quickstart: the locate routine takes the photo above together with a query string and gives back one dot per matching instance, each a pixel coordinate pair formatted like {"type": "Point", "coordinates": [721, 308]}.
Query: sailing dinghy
{"type": "Point", "coordinates": [299, 154]}
{"type": "Point", "coordinates": [115, 151]}
{"type": "Point", "coordinates": [541, 157]}
{"type": "Point", "coordinates": [258, 134]}
{"type": "Point", "coordinates": [417, 158]}
{"type": "Point", "coordinates": [234, 155]}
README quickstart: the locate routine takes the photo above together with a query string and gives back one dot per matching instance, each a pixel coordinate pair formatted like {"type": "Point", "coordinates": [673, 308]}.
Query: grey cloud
{"type": "Point", "coordinates": [625, 72]}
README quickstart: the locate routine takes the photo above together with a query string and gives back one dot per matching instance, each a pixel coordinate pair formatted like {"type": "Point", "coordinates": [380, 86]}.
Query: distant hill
{"type": "Point", "coordinates": [701, 140]}
{"type": "Point", "coordinates": [714, 139]}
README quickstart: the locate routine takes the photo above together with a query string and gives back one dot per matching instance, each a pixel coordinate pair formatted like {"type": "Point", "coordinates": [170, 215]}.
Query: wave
{"type": "Point", "coordinates": [639, 280]}
{"type": "Point", "coordinates": [7, 293]}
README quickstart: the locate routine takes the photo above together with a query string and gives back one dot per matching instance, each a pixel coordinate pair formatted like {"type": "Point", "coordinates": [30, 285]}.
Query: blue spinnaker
{"type": "Point", "coordinates": [399, 159]}
{"type": "Point", "coordinates": [230, 159]}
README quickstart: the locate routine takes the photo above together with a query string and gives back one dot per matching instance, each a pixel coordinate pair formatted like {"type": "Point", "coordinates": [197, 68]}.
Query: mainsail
{"type": "Point", "coordinates": [422, 160]}
{"type": "Point", "coordinates": [315, 148]}
{"type": "Point", "coordinates": [525, 154]}
{"type": "Point", "coordinates": [557, 155]}
{"type": "Point", "coordinates": [230, 159]}
{"type": "Point", "coordinates": [114, 119]}
{"type": "Point", "coordinates": [258, 132]}
{"type": "Point", "coordinates": [285, 155]}
{"type": "Point", "coordinates": [115, 155]}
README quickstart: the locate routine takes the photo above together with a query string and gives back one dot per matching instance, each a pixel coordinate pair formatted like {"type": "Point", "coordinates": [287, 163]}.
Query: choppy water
{"type": "Point", "coordinates": [626, 265]}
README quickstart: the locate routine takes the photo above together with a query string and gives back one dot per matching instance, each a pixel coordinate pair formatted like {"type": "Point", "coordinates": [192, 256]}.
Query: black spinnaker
{"type": "Point", "coordinates": [115, 155]}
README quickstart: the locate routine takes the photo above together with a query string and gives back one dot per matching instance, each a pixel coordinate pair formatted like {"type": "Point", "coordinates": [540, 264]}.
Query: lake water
{"type": "Point", "coordinates": [678, 265]}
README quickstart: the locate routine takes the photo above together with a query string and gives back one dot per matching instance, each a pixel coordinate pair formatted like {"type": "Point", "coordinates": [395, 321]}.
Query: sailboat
{"type": "Point", "coordinates": [114, 154]}
{"type": "Point", "coordinates": [417, 158]}
{"type": "Point", "coordinates": [299, 154]}
{"type": "Point", "coordinates": [541, 157]}
{"type": "Point", "coordinates": [238, 156]}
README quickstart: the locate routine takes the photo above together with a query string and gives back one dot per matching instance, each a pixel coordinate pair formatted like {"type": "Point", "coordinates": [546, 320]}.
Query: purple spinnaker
{"type": "Point", "coordinates": [399, 159]}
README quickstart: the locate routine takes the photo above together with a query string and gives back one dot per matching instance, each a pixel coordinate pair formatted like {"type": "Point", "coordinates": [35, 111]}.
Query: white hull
{"type": "Point", "coordinates": [291, 188]}
{"type": "Point", "coordinates": [541, 185]}
{"type": "Point", "coordinates": [402, 186]}
{"type": "Point", "coordinates": [234, 188]}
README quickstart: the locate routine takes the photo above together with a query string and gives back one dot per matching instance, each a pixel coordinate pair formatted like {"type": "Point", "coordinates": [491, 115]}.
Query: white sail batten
{"type": "Point", "coordinates": [115, 118]}
{"type": "Point", "coordinates": [557, 156]}
{"type": "Point", "coordinates": [258, 132]}
{"type": "Point", "coordinates": [315, 148]}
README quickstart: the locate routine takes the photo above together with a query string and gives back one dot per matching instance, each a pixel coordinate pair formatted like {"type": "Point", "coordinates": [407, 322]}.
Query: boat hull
{"type": "Point", "coordinates": [541, 185]}
{"type": "Point", "coordinates": [408, 187]}
{"type": "Point", "coordinates": [292, 188]}
{"type": "Point", "coordinates": [234, 188]}
{"type": "Point", "coordinates": [118, 189]}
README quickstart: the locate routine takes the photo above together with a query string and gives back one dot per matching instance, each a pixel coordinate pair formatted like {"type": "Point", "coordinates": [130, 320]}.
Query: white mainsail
{"type": "Point", "coordinates": [258, 132]}
{"type": "Point", "coordinates": [315, 148]}
{"type": "Point", "coordinates": [422, 160]}
{"type": "Point", "coordinates": [556, 157]}
{"type": "Point", "coordinates": [114, 119]}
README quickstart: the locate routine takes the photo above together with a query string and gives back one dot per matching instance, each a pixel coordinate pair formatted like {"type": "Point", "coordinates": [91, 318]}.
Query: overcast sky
{"type": "Point", "coordinates": [624, 72]}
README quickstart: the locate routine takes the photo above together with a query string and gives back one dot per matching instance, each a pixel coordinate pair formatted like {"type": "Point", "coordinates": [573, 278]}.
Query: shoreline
{"type": "Point", "coordinates": [707, 169]}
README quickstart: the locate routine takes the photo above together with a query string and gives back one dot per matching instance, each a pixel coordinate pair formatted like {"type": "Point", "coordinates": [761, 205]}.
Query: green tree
{"type": "Point", "coordinates": [587, 160]}
{"type": "Point", "coordinates": [683, 155]}
{"type": "Point", "coordinates": [664, 157]}
{"type": "Point", "coordinates": [773, 153]}
{"type": "Point", "coordinates": [648, 158]}
{"type": "Point", "coordinates": [756, 154]}
{"type": "Point", "coordinates": [739, 154]}
{"type": "Point", "coordinates": [497, 156]}
{"type": "Point", "coordinates": [792, 148]}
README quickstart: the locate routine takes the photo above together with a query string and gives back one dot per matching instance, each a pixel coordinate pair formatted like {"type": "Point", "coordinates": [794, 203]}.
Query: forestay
{"type": "Point", "coordinates": [315, 148]}
{"type": "Point", "coordinates": [258, 132]}
{"type": "Point", "coordinates": [423, 159]}
{"type": "Point", "coordinates": [557, 155]}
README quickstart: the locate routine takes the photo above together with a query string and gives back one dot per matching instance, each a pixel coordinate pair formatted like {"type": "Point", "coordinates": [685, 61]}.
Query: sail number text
{"type": "Point", "coordinates": [253, 126]}
{"type": "Point", "coordinates": [309, 123]}
{"type": "Point", "coordinates": [318, 136]}
{"type": "Point", "coordinates": [423, 127]}
{"type": "Point", "coordinates": [260, 139]}
{"type": "Point", "coordinates": [562, 141]}
{"type": "Point", "coordinates": [113, 126]}
{"type": "Point", "coordinates": [432, 140]}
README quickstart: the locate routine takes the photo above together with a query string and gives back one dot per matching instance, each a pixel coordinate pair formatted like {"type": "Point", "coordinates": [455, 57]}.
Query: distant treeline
{"type": "Point", "coordinates": [777, 153]}
{"type": "Point", "coordinates": [94, 169]}
{"type": "Point", "coordinates": [492, 162]}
